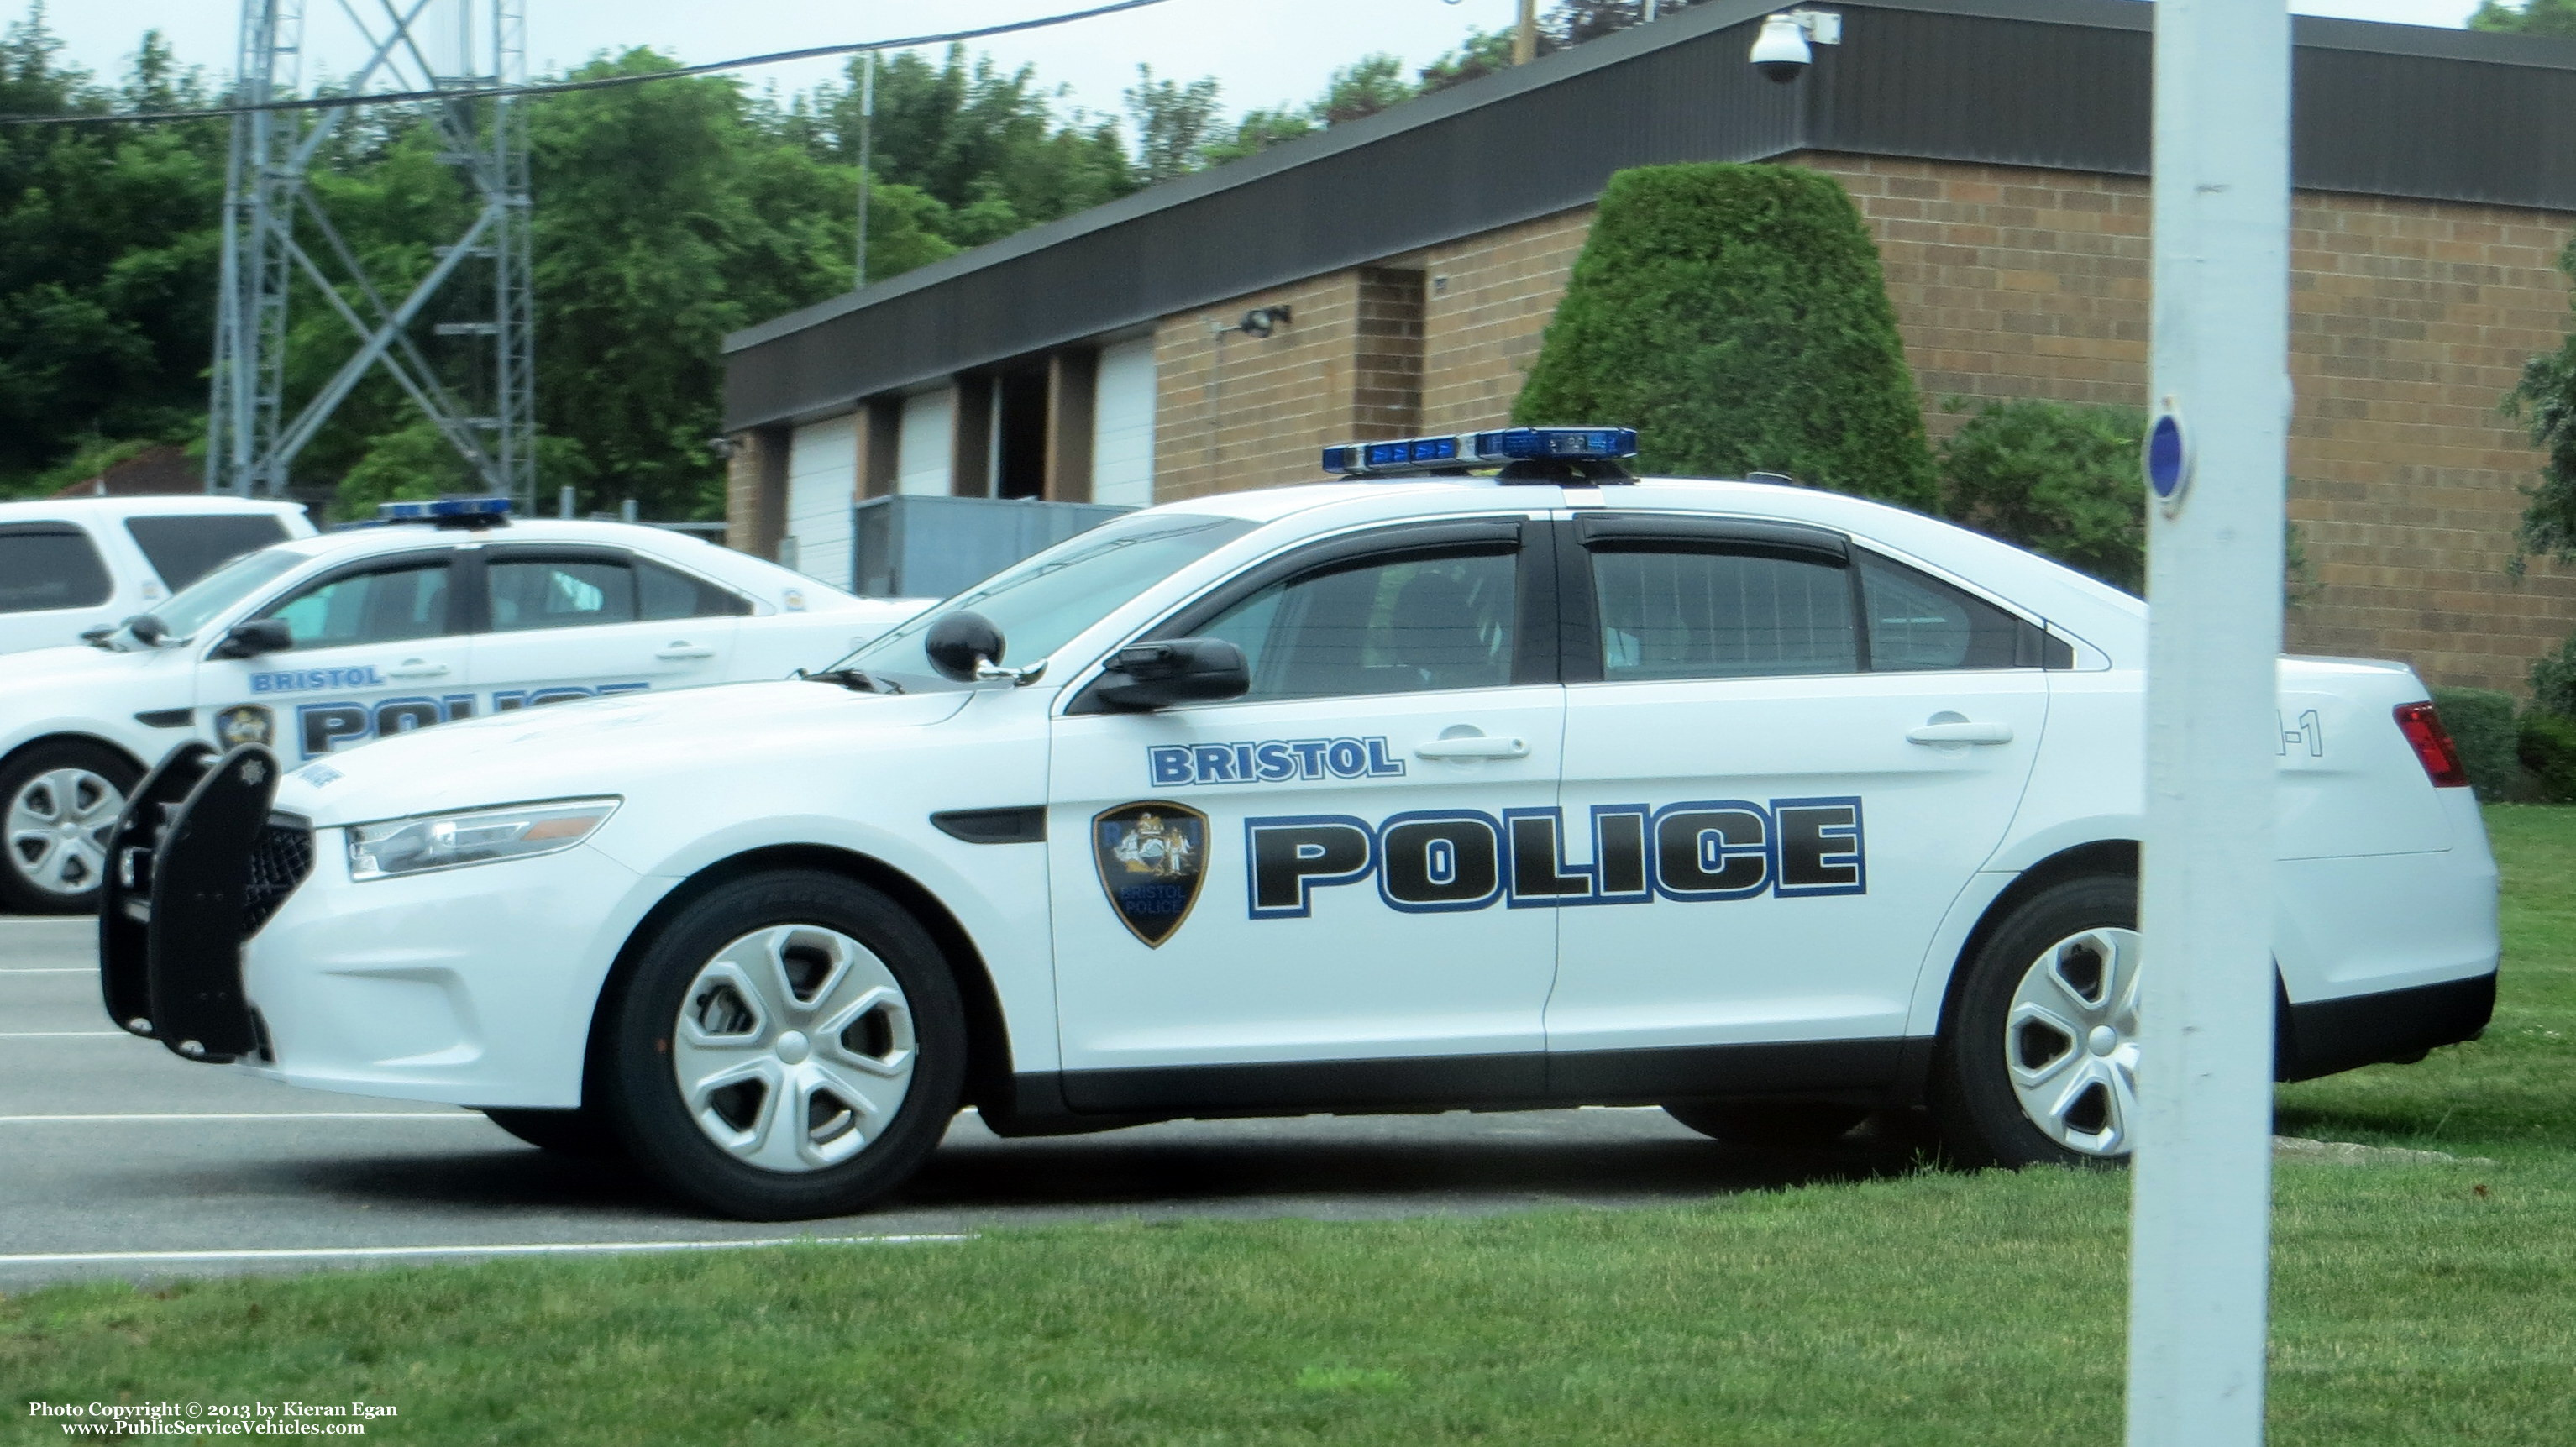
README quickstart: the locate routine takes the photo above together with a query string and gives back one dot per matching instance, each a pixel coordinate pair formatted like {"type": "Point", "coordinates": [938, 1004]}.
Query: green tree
{"type": "Point", "coordinates": [2061, 481]}
{"type": "Point", "coordinates": [2534, 17]}
{"type": "Point", "coordinates": [982, 142]}
{"type": "Point", "coordinates": [1172, 122]}
{"type": "Point", "coordinates": [107, 256]}
{"type": "Point", "coordinates": [1735, 316]}
{"type": "Point", "coordinates": [666, 218]}
{"type": "Point", "coordinates": [2545, 400]}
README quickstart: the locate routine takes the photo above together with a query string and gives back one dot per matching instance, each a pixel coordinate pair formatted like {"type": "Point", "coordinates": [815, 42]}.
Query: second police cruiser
{"type": "Point", "coordinates": [1771, 806]}
{"type": "Point", "coordinates": [448, 611]}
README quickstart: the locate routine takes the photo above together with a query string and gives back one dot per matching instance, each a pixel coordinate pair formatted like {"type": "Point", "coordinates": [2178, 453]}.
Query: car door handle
{"type": "Point", "coordinates": [1474, 746]}
{"type": "Point", "coordinates": [1960, 732]}
{"type": "Point", "coordinates": [686, 650]}
{"type": "Point", "coordinates": [414, 668]}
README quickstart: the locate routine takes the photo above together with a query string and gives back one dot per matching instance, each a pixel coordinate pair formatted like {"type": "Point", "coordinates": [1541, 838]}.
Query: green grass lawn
{"type": "Point", "coordinates": [2412, 1304]}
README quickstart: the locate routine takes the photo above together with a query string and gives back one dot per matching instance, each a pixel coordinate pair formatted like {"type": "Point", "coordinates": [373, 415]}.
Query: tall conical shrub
{"type": "Point", "coordinates": [1736, 317]}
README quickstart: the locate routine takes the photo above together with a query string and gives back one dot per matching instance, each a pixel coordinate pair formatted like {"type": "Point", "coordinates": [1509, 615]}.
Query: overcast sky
{"type": "Point", "coordinates": [1262, 51]}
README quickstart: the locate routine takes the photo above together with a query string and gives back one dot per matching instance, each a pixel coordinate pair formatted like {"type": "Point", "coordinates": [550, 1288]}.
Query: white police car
{"type": "Point", "coordinates": [315, 645]}
{"type": "Point", "coordinates": [1769, 805]}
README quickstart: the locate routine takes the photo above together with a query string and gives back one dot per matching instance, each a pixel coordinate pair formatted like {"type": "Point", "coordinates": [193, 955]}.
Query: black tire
{"type": "Point", "coordinates": [1769, 1124]}
{"type": "Point", "coordinates": [581, 1134]}
{"type": "Point", "coordinates": [20, 893]}
{"type": "Point", "coordinates": [1974, 1104]}
{"type": "Point", "coordinates": [642, 1094]}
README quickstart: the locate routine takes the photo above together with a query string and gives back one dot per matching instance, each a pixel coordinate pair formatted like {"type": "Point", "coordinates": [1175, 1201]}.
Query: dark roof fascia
{"type": "Point", "coordinates": [1304, 151]}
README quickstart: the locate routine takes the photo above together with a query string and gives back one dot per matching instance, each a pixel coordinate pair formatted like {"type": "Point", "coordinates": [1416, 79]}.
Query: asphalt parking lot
{"type": "Point", "coordinates": [124, 1161]}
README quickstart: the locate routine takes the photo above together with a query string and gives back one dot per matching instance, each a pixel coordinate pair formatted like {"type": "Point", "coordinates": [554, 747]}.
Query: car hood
{"type": "Point", "coordinates": [601, 746]}
{"type": "Point", "coordinates": [47, 686]}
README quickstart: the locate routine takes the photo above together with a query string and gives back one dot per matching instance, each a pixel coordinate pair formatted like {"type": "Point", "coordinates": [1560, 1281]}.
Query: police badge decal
{"type": "Point", "coordinates": [248, 724]}
{"type": "Point", "coordinates": [1151, 856]}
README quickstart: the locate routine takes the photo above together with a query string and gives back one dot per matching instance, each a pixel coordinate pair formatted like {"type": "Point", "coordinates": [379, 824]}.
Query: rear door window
{"type": "Point", "coordinates": [50, 565]}
{"type": "Point", "coordinates": [184, 547]}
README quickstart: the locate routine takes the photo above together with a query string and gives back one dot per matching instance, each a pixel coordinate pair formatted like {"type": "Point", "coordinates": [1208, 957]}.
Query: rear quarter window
{"type": "Point", "coordinates": [45, 566]}
{"type": "Point", "coordinates": [184, 547]}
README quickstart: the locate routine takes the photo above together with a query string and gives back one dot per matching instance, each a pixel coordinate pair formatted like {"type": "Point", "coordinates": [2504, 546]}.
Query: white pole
{"type": "Point", "coordinates": [2200, 1241]}
{"type": "Point", "coordinates": [867, 155]}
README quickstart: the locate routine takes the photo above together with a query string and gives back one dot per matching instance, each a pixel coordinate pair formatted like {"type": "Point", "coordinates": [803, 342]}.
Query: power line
{"type": "Point", "coordinates": [560, 87]}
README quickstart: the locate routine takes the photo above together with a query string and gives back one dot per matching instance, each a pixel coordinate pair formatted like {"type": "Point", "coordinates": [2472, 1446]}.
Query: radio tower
{"type": "Point", "coordinates": [474, 302]}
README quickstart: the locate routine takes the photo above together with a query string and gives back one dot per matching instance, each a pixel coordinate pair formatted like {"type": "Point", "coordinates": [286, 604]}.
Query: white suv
{"type": "Point", "coordinates": [68, 565]}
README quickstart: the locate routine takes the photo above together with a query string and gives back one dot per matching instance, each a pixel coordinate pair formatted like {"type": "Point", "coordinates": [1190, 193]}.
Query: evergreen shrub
{"type": "Point", "coordinates": [2061, 481]}
{"type": "Point", "coordinates": [2549, 752]}
{"type": "Point", "coordinates": [2481, 723]}
{"type": "Point", "coordinates": [2553, 681]}
{"type": "Point", "coordinates": [1735, 315]}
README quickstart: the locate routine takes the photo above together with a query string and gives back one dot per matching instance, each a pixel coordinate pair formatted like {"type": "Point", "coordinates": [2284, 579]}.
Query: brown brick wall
{"type": "Point", "coordinates": [2409, 322]}
{"type": "Point", "coordinates": [1490, 300]}
{"type": "Point", "coordinates": [1386, 365]}
{"type": "Point", "coordinates": [756, 491]}
{"type": "Point", "coordinates": [1277, 401]}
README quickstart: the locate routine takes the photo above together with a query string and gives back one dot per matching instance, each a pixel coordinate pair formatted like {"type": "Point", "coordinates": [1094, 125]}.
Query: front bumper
{"type": "Point", "coordinates": [237, 936]}
{"type": "Point", "coordinates": [471, 986]}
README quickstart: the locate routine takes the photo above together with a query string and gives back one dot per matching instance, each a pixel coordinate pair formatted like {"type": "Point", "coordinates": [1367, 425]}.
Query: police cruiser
{"type": "Point", "coordinates": [1414, 790]}
{"type": "Point", "coordinates": [447, 611]}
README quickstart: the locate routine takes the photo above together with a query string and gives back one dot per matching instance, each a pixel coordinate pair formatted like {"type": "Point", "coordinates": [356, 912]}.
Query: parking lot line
{"type": "Point", "coordinates": [251, 1115]}
{"type": "Point", "coordinates": [51, 970]}
{"type": "Point", "coordinates": [379, 1253]}
{"type": "Point", "coordinates": [62, 1035]}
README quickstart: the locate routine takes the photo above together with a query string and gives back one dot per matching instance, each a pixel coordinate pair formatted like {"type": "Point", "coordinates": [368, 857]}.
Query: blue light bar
{"type": "Point", "coordinates": [445, 507]}
{"type": "Point", "coordinates": [1419, 455]}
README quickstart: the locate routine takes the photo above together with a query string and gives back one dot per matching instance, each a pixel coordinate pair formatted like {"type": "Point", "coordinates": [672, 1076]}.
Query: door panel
{"type": "Point", "coordinates": [572, 624]}
{"type": "Point", "coordinates": [1345, 829]}
{"type": "Point", "coordinates": [379, 650]}
{"type": "Point", "coordinates": [1795, 757]}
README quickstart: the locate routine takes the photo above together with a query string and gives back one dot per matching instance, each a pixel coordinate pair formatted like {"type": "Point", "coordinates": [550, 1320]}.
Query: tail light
{"type": "Point", "coordinates": [2433, 747]}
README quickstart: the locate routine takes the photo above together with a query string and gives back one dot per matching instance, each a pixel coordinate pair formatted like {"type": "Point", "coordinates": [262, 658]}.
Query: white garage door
{"type": "Point", "coordinates": [922, 448]}
{"type": "Point", "coordinates": [822, 487]}
{"type": "Point", "coordinates": [1122, 439]}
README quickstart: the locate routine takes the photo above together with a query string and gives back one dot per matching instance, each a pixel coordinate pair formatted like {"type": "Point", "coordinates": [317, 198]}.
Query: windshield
{"type": "Point", "coordinates": [1041, 604]}
{"type": "Point", "coordinates": [208, 598]}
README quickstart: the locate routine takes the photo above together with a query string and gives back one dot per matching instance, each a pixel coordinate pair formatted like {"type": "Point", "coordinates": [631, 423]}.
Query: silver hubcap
{"type": "Point", "coordinates": [794, 1048]}
{"type": "Point", "coordinates": [2071, 1041]}
{"type": "Point", "coordinates": [58, 827]}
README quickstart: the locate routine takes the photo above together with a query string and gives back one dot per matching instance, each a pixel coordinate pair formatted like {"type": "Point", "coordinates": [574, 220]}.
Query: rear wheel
{"type": "Point", "coordinates": [1770, 1123]}
{"type": "Point", "coordinates": [791, 1045]}
{"type": "Point", "coordinates": [59, 802]}
{"type": "Point", "coordinates": [2039, 1064]}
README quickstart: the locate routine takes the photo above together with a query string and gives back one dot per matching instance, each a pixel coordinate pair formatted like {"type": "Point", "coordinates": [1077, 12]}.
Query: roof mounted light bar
{"type": "Point", "coordinates": [1583, 455]}
{"type": "Point", "coordinates": [470, 513]}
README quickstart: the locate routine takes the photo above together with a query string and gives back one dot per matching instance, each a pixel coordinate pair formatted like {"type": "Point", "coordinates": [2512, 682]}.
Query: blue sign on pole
{"type": "Point", "coordinates": [2168, 458]}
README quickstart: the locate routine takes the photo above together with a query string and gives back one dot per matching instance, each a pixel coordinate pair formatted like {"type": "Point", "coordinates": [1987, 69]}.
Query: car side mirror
{"type": "Point", "coordinates": [1177, 670]}
{"type": "Point", "coordinates": [962, 645]}
{"type": "Point", "coordinates": [258, 636]}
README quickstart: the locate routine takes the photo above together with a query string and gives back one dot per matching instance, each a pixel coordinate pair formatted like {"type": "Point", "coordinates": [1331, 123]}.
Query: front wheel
{"type": "Point", "coordinates": [2039, 1062]}
{"type": "Point", "coordinates": [59, 802]}
{"type": "Point", "coordinates": [789, 1046]}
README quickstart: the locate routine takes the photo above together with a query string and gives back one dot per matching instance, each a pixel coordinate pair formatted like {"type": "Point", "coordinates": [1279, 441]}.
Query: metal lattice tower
{"type": "Point", "coordinates": [483, 399]}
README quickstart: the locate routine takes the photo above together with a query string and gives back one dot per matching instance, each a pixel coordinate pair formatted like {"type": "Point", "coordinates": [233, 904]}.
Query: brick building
{"type": "Point", "coordinates": [1409, 265]}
